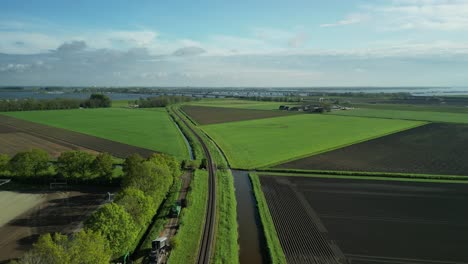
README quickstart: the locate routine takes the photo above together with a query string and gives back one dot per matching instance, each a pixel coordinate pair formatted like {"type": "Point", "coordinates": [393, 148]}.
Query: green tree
{"type": "Point", "coordinates": [142, 177]}
{"type": "Point", "coordinates": [116, 225]}
{"type": "Point", "coordinates": [98, 100]}
{"type": "Point", "coordinates": [48, 249]}
{"type": "Point", "coordinates": [102, 165]}
{"type": "Point", "coordinates": [140, 206]}
{"type": "Point", "coordinates": [89, 247]}
{"type": "Point", "coordinates": [4, 160]}
{"type": "Point", "coordinates": [29, 163]}
{"type": "Point", "coordinates": [74, 164]}
{"type": "Point", "coordinates": [131, 164]}
{"type": "Point", "coordinates": [85, 246]}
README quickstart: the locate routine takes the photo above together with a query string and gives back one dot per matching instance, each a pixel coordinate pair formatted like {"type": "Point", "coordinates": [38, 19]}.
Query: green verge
{"type": "Point", "coordinates": [160, 220]}
{"type": "Point", "coordinates": [274, 247]}
{"type": "Point", "coordinates": [226, 247]}
{"type": "Point", "coordinates": [192, 220]}
{"type": "Point", "coordinates": [148, 128]}
{"type": "Point", "coordinates": [387, 177]}
{"type": "Point", "coordinates": [432, 116]}
{"type": "Point", "coordinates": [370, 173]}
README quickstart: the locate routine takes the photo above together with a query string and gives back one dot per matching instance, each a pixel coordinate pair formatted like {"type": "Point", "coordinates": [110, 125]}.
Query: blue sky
{"type": "Point", "coordinates": [234, 43]}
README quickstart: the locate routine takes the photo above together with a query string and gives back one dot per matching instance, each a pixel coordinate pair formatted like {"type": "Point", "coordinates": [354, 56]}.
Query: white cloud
{"type": "Point", "coordinates": [349, 20]}
{"type": "Point", "coordinates": [443, 15]}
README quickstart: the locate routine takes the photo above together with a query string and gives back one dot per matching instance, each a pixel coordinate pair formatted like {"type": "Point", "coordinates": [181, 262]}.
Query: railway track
{"type": "Point", "coordinates": [204, 253]}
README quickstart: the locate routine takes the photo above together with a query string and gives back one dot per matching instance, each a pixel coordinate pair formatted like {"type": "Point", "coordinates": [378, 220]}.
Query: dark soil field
{"type": "Point", "coordinates": [429, 149]}
{"type": "Point", "coordinates": [62, 211]}
{"type": "Point", "coordinates": [302, 235]}
{"type": "Point", "coordinates": [19, 135]}
{"type": "Point", "coordinates": [372, 221]}
{"type": "Point", "coordinates": [204, 115]}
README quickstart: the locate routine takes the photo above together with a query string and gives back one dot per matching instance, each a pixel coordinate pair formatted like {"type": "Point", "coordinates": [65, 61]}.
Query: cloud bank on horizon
{"type": "Point", "coordinates": [264, 43]}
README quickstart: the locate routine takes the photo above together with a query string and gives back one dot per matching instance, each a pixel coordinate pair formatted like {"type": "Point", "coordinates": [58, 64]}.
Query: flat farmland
{"type": "Point", "coordinates": [372, 221]}
{"type": "Point", "coordinates": [12, 143]}
{"type": "Point", "coordinates": [30, 214]}
{"type": "Point", "coordinates": [407, 115]}
{"type": "Point", "coordinates": [204, 115]}
{"type": "Point", "coordinates": [262, 142]}
{"type": "Point", "coordinates": [243, 104]}
{"type": "Point", "coordinates": [430, 149]}
{"type": "Point", "coordinates": [150, 129]}
{"type": "Point", "coordinates": [55, 140]}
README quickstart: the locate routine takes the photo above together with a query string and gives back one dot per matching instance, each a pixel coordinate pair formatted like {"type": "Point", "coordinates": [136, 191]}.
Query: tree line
{"type": "Point", "coordinates": [36, 166]}
{"type": "Point", "coordinates": [29, 104]}
{"type": "Point", "coordinates": [161, 101]}
{"type": "Point", "coordinates": [115, 228]}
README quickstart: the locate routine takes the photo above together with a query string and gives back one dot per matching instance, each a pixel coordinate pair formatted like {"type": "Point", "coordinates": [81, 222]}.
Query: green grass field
{"type": "Point", "coordinates": [244, 104]}
{"type": "Point", "coordinates": [408, 115]}
{"type": "Point", "coordinates": [152, 128]}
{"type": "Point", "coordinates": [264, 142]}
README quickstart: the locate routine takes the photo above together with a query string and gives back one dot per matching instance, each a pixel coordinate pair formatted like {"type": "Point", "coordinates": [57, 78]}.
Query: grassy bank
{"type": "Point", "coordinates": [192, 219]}
{"type": "Point", "coordinates": [369, 176]}
{"type": "Point", "coordinates": [274, 247]}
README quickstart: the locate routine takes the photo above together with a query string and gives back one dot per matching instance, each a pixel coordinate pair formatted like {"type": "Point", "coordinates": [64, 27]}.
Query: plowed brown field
{"type": "Point", "coordinates": [370, 221]}
{"type": "Point", "coordinates": [204, 115]}
{"type": "Point", "coordinates": [429, 149]}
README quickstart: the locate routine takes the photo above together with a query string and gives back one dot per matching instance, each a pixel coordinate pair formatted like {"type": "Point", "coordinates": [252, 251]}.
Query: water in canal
{"type": "Point", "coordinates": [251, 238]}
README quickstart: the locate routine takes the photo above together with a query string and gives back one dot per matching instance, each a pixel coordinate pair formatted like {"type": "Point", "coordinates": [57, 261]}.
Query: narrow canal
{"type": "Point", "coordinates": [251, 239]}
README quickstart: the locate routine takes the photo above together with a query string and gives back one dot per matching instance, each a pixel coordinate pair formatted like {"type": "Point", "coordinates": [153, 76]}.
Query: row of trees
{"type": "Point", "coordinates": [73, 165]}
{"type": "Point", "coordinates": [161, 101]}
{"type": "Point", "coordinates": [145, 185]}
{"type": "Point", "coordinates": [95, 100]}
{"type": "Point", "coordinates": [115, 228]}
{"type": "Point", "coordinates": [85, 246]}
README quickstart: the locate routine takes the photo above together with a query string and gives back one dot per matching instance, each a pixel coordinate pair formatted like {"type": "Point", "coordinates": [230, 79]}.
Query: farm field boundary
{"type": "Point", "coordinates": [367, 176]}
{"type": "Point", "coordinates": [261, 143]}
{"type": "Point", "coordinates": [63, 136]}
{"type": "Point", "coordinates": [433, 149]}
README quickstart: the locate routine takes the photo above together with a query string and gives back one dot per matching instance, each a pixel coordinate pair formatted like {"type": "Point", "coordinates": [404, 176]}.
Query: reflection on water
{"type": "Point", "coordinates": [251, 239]}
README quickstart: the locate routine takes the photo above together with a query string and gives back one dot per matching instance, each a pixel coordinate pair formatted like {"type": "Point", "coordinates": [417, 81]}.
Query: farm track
{"type": "Point", "coordinates": [72, 139]}
{"type": "Point", "coordinates": [204, 254]}
{"type": "Point", "coordinates": [302, 236]}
